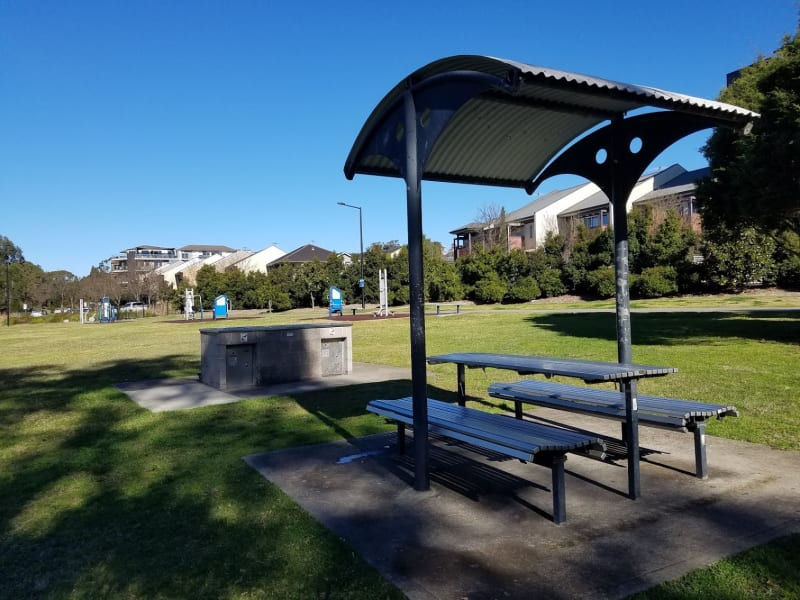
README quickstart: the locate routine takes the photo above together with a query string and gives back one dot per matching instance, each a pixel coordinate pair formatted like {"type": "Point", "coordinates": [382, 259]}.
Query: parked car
{"type": "Point", "coordinates": [133, 306]}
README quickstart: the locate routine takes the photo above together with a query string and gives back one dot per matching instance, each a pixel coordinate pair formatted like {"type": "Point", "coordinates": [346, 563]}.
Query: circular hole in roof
{"type": "Point", "coordinates": [601, 156]}
{"type": "Point", "coordinates": [636, 145]}
{"type": "Point", "coordinates": [425, 117]}
{"type": "Point", "coordinates": [399, 131]}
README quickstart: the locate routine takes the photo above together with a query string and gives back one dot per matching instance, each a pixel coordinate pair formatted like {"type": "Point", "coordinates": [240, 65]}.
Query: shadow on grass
{"type": "Point", "coordinates": [679, 327]}
{"type": "Point", "coordinates": [100, 498]}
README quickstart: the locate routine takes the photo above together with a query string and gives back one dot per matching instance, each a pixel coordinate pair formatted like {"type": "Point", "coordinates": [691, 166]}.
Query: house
{"type": "Point", "coordinates": [561, 211]}
{"type": "Point", "coordinates": [188, 275]}
{"type": "Point", "coordinates": [144, 259]}
{"type": "Point", "coordinates": [232, 259]}
{"type": "Point", "coordinates": [678, 194]}
{"type": "Point", "coordinates": [197, 251]}
{"type": "Point", "coordinates": [594, 211]}
{"type": "Point", "coordinates": [527, 227]}
{"type": "Point", "coordinates": [303, 254]}
{"type": "Point", "coordinates": [141, 259]}
{"type": "Point", "coordinates": [173, 272]}
{"type": "Point", "coordinates": [258, 261]}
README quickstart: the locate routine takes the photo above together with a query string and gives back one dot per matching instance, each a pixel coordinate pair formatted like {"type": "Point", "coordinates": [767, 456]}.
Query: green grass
{"type": "Point", "coordinates": [99, 498]}
{"type": "Point", "coordinates": [768, 571]}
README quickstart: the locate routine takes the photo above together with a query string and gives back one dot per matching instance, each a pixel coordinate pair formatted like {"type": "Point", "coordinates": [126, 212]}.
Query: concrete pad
{"type": "Point", "coordinates": [161, 395]}
{"type": "Point", "coordinates": [484, 529]}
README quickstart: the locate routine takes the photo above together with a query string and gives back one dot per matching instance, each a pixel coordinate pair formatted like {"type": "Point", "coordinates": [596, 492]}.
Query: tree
{"type": "Point", "coordinates": [99, 283]}
{"type": "Point", "coordinates": [739, 258]}
{"type": "Point", "coordinates": [492, 220]}
{"type": "Point", "coordinates": [755, 177]}
{"type": "Point", "coordinates": [62, 287]}
{"type": "Point", "coordinates": [11, 253]}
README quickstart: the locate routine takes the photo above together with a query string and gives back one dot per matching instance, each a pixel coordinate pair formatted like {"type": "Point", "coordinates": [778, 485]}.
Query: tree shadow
{"type": "Point", "coordinates": [668, 328]}
{"type": "Point", "coordinates": [100, 498]}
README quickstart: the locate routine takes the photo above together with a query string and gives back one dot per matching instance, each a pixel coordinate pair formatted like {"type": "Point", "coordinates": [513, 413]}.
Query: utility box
{"type": "Point", "coordinates": [237, 357]}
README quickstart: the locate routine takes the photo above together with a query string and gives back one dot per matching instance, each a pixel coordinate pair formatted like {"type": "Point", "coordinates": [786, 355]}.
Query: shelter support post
{"type": "Point", "coordinates": [419, 383]}
{"type": "Point", "coordinates": [619, 200]}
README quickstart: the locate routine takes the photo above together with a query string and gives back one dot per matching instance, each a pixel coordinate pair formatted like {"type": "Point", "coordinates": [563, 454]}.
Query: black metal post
{"type": "Point", "coordinates": [419, 383]}
{"type": "Point", "coordinates": [8, 297]}
{"type": "Point", "coordinates": [619, 203]}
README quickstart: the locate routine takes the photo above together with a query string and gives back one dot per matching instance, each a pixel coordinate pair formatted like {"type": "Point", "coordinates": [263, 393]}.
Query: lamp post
{"type": "Point", "coordinates": [8, 295]}
{"type": "Point", "coordinates": [361, 241]}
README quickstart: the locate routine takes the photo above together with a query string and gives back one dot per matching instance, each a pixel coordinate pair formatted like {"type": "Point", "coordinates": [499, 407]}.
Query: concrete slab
{"type": "Point", "coordinates": [163, 395]}
{"type": "Point", "coordinates": [484, 529]}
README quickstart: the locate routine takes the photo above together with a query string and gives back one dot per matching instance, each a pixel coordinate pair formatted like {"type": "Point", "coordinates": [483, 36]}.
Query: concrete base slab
{"type": "Point", "coordinates": [186, 393]}
{"type": "Point", "coordinates": [484, 528]}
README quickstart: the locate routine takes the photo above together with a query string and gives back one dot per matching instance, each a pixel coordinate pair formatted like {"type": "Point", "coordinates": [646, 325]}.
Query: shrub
{"type": "Point", "coordinates": [601, 282]}
{"type": "Point", "coordinates": [524, 290]}
{"type": "Point", "coordinates": [655, 282]}
{"type": "Point", "coordinates": [550, 283]}
{"type": "Point", "coordinates": [490, 289]}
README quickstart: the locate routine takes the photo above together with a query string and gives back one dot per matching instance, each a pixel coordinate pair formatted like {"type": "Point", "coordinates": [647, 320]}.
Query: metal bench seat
{"type": "Point", "coordinates": [524, 440]}
{"type": "Point", "coordinates": [654, 411]}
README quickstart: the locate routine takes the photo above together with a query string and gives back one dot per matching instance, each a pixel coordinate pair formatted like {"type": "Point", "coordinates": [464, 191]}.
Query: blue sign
{"type": "Point", "coordinates": [361, 283]}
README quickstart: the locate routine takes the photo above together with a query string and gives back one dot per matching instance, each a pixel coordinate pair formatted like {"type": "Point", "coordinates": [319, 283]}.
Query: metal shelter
{"type": "Point", "coordinates": [490, 121]}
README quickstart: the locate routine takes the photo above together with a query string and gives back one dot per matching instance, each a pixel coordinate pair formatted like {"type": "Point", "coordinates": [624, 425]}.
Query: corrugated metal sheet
{"type": "Point", "coordinates": [505, 134]}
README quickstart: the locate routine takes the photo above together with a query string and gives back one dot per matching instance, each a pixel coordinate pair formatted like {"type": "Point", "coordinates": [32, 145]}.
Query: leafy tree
{"type": "Point", "coordinates": [787, 257]}
{"type": "Point", "coordinates": [480, 268]}
{"type": "Point", "coordinates": [442, 283]}
{"type": "Point", "coordinates": [547, 265]}
{"type": "Point", "coordinates": [590, 252]}
{"type": "Point", "coordinates": [514, 266]}
{"type": "Point", "coordinates": [735, 259]}
{"type": "Point", "coordinates": [211, 283]}
{"type": "Point", "coordinates": [99, 283]}
{"type": "Point", "coordinates": [640, 221]}
{"type": "Point", "coordinates": [397, 273]}
{"type": "Point", "coordinates": [11, 254]}
{"type": "Point", "coordinates": [755, 177]}
{"type": "Point", "coordinates": [62, 287]}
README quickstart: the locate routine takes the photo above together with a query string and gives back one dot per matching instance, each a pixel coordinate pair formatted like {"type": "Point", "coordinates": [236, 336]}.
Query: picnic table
{"type": "Point", "coordinates": [625, 375]}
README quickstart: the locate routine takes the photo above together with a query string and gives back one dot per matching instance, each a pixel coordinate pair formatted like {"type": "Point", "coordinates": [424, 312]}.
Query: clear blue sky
{"type": "Point", "coordinates": [196, 122]}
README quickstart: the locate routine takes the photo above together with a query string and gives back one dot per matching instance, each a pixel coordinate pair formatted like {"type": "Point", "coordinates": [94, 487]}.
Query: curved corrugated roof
{"type": "Point", "coordinates": [500, 122]}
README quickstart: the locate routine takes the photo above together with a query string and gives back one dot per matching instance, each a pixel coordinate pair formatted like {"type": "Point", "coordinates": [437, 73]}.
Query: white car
{"type": "Point", "coordinates": [133, 306]}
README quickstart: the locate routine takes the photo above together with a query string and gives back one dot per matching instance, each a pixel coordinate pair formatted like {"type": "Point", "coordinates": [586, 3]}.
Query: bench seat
{"type": "Point", "coordinates": [524, 440]}
{"type": "Point", "coordinates": [653, 411]}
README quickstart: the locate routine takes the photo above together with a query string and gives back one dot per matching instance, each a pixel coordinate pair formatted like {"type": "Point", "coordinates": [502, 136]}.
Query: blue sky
{"type": "Point", "coordinates": [198, 122]}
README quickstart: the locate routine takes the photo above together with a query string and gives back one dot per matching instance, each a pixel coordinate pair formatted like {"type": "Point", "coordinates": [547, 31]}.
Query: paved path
{"type": "Point", "coordinates": [484, 528]}
{"type": "Point", "coordinates": [184, 393]}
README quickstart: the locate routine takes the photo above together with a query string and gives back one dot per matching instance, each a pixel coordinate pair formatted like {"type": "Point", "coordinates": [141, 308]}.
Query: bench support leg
{"type": "Point", "coordinates": [401, 437]}
{"type": "Point", "coordinates": [559, 490]}
{"type": "Point", "coordinates": [701, 464]}
{"type": "Point", "coordinates": [631, 437]}
{"type": "Point", "coordinates": [462, 385]}
{"type": "Point", "coordinates": [518, 409]}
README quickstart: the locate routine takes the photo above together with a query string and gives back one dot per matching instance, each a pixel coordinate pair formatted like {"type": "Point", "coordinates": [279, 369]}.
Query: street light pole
{"type": "Point", "coordinates": [361, 242]}
{"type": "Point", "coordinates": [8, 297]}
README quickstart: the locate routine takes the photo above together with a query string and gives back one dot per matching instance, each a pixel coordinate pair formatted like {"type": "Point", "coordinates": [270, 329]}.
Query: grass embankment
{"type": "Point", "coordinates": [99, 498]}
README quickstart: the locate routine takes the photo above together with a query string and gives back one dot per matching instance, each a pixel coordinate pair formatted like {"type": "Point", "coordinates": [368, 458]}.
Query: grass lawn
{"type": "Point", "coordinates": [99, 498]}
